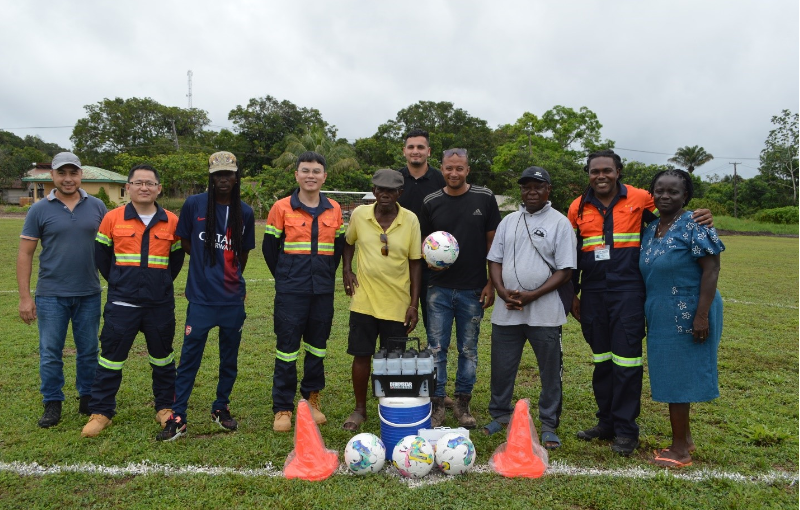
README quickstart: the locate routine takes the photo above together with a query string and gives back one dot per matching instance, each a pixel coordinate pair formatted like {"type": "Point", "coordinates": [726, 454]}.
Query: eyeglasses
{"type": "Point", "coordinates": [312, 171]}
{"type": "Point", "coordinates": [139, 184]}
{"type": "Point", "coordinates": [385, 247]}
{"type": "Point", "coordinates": [456, 152]}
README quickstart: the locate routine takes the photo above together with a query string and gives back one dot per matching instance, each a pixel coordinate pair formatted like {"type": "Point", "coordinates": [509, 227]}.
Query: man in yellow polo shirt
{"type": "Point", "coordinates": [385, 293]}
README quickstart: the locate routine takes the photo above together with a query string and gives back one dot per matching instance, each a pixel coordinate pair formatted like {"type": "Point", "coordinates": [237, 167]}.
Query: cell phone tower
{"type": "Point", "coordinates": [189, 95]}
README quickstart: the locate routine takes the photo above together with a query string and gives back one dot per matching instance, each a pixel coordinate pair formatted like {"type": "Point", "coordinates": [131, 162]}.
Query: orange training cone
{"type": "Point", "coordinates": [521, 455]}
{"type": "Point", "coordinates": [309, 460]}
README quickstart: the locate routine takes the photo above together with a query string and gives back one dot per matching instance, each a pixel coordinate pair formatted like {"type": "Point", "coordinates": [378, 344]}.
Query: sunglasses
{"type": "Point", "coordinates": [385, 247]}
{"type": "Point", "coordinates": [456, 152]}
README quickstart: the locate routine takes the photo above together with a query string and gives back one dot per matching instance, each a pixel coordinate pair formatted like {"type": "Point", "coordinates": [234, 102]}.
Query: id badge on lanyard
{"type": "Point", "coordinates": [603, 252]}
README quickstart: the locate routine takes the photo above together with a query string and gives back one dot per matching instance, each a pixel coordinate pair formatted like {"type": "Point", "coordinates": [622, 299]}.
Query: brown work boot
{"type": "Point", "coordinates": [461, 411]}
{"type": "Point", "coordinates": [162, 417]}
{"type": "Point", "coordinates": [448, 402]}
{"type": "Point", "coordinates": [283, 421]}
{"type": "Point", "coordinates": [437, 411]}
{"type": "Point", "coordinates": [313, 401]}
{"type": "Point", "coordinates": [95, 425]}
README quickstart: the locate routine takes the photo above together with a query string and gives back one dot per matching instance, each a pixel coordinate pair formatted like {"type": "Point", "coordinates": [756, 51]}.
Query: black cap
{"type": "Point", "coordinates": [535, 173]}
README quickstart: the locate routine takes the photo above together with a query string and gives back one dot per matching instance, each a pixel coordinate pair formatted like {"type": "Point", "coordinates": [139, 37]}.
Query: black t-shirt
{"type": "Point", "coordinates": [415, 190]}
{"type": "Point", "coordinates": [468, 218]}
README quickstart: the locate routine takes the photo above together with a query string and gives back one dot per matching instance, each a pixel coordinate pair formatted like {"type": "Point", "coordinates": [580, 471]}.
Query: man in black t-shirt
{"type": "Point", "coordinates": [461, 292]}
{"type": "Point", "coordinates": [421, 180]}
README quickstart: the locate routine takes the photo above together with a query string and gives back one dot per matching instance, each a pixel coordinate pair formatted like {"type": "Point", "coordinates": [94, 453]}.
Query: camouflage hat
{"type": "Point", "coordinates": [221, 162]}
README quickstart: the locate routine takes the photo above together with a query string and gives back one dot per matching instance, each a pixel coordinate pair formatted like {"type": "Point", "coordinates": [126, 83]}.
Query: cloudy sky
{"type": "Point", "coordinates": [658, 74]}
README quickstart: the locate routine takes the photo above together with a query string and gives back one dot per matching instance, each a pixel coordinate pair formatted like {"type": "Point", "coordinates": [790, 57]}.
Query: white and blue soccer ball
{"type": "Point", "coordinates": [455, 453]}
{"type": "Point", "coordinates": [413, 457]}
{"type": "Point", "coordinates": [364, 454]}
{"type": "Point", "coordinates": [440, 249]}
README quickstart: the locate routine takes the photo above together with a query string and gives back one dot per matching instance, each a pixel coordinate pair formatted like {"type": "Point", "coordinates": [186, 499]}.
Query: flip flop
{"type": "Point", "coordinates": [354, 421]}
{"type": "Point", "coordinates": [661, 461]}
{"type": "Point", "coordinates": [493, 427]}
{"type": "Point", "coordinates": [549, 436]}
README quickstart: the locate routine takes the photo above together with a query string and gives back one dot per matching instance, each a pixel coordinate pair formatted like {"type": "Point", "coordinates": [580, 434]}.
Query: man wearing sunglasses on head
{"type": "Point", "coordinates": [461, 292]}
{"type": "Point", "coordinates": [386, 291]}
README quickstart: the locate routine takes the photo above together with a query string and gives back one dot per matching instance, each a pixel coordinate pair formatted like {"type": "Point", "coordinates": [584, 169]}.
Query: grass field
{"type": "Point", "coordinates": [747, 439]}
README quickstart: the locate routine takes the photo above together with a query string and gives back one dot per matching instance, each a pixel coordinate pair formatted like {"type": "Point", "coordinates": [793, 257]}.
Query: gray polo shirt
{"type": "Point", "coordinates": [66, 262]}
{"type": "Point", "coordinates": [524, 269]}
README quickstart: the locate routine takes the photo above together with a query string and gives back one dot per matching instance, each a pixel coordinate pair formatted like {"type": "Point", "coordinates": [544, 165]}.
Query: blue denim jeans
{"type": "Point", "coordinates": [464, 306]}
{"type": "Point", "coordinates": [199, 321]}
{"type": "Point", "coordinates": [53, 315]}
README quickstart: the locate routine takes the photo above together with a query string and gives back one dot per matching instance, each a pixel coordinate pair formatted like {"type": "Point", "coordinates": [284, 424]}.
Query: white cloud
{"type": "Point", "coordinates": [659, 75]}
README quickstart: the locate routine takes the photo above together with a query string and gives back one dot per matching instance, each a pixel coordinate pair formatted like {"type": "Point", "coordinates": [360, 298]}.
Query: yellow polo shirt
{"type": "Point", "coordinates": [384, 281]}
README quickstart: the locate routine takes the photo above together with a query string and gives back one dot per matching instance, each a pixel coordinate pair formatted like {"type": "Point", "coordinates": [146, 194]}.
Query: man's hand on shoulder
{"type": "Point", "coordinates": [703, 217]}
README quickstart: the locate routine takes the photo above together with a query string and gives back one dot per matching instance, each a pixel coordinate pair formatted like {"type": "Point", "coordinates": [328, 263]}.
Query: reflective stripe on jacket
{"type": "Point", "coordinates": [619, 227]}
{"type": "Point", "coordinates": [139, 261]}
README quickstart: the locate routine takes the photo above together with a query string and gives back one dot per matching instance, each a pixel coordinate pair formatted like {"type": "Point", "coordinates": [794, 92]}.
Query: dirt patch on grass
{"type": "Point", "coordinates": [761, 234]}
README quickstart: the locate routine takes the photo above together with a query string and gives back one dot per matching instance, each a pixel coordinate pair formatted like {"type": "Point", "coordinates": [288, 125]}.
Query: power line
{"type": "Point", "coordinates": [672, 153]}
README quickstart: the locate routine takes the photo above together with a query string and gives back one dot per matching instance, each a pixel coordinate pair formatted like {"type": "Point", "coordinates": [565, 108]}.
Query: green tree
{"type": "Point", "coordinates": [691, 157]}
{"type": "Point", "coordinates": [779, 163]}
{"type": "Point", "coordinates": [263, 126]}
{"type": "Point", "coordinates": [344, 171]}
{"type": "Point", "coordinates": [141, 127]}
{"type": "Point", "coordinates": [181, 173]}
{"type": "Point", "coordinates": [448, 127]}
{"type": "Point", "coordinates": [558, 142]}
{"type": "Point", "coordinates": [17, 155]}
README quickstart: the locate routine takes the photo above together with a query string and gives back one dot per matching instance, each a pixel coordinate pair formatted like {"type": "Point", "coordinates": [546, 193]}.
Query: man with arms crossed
{"type": "Point", "coordinates": [138, 254]}
{"type": "Point", "coordinates": [68, 288]}
{"type": "Point", "coordinates": [461, 292]}
{"type": "Point", "coordinates": [533, 254]}
{"type": "Point", "coordinates": [302, 246]}
{"type": "Point", "coordinates": [386, 290]}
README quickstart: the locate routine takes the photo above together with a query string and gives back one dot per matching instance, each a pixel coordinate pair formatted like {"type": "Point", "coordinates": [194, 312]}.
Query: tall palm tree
{"type": "Point", "coordinates": [691, 157]}
{"type": "Point", "coordinates": [340, 156]}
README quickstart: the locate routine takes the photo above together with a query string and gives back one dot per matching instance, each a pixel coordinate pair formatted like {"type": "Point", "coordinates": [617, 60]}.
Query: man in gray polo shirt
{"type": "Point", "coordinates": [532, 254]}
{"type": "Point", "coordinates": [68, 287]}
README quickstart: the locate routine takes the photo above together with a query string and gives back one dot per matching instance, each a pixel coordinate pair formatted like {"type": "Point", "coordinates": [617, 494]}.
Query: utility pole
{"type": "Point", "coordinates": [189, 95]}
{"type": "Point", "coordinates": [734, 186]}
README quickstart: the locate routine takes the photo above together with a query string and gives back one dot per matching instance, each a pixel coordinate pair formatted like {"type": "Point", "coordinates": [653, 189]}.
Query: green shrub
{"type": "Point", "coordinates": [715, 207]}
{"type": "Point", "coordinates": [780, 215]}
{"type": "Point", "coordinates": [103, 196]}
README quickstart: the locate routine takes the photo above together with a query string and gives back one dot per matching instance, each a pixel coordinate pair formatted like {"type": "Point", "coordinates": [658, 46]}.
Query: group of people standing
{"type": "Point", "coordinates": [533, 260]}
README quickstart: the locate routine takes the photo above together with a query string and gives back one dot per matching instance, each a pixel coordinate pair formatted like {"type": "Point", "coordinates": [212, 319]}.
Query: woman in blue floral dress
{"type": "Point", "coordinates": [680, 264]}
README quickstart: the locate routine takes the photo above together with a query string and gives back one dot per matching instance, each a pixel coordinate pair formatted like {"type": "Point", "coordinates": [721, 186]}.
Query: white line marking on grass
{"type": "Point", "coordinates": [751, 303]}
{"type": "Point", "coordinates": [435, 477]}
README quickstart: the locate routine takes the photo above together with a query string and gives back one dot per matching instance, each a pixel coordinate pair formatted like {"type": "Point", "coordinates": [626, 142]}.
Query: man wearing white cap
{"type": "Point", "coordinates": [68, 287]}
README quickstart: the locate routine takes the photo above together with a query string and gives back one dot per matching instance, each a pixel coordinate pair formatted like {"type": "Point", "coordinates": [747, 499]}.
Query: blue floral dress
{"type": "Point", "coordinates": [680, 370]}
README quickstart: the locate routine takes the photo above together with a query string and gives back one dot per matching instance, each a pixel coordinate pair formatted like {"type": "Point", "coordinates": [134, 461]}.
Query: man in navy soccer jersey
{"type": "Point", "coordinates": [217, 231]}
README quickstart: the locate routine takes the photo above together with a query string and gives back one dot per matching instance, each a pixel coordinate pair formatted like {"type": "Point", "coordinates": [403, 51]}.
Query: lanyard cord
{"type": "Point", "coordinates": [514, 256]}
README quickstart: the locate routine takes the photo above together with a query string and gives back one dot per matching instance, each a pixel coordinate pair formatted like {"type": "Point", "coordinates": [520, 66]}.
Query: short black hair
{"type": "Point", "coordinates": [143, 167]}
{"type": "Point", "coordinates": [312, 157]}
{"type": "Point", "coordinates": [681, 174]}
{"type": "Point", "coordinates": [418, 132]}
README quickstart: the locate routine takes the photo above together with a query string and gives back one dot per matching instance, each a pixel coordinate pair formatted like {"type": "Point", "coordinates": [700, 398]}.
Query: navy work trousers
{"type": "Point", "coordinates": [613, 326]}
{"type": "Point", "coordinates": [121, 324]}
{"type": "Point", "coordinates": [301, 322]}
